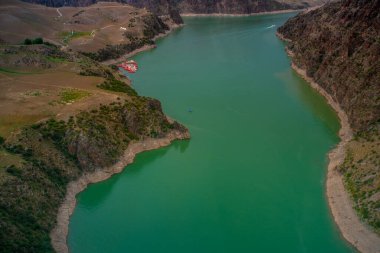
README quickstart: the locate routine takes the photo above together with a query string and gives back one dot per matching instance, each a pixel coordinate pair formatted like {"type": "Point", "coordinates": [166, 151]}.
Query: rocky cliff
{"type": "Point", "coordinates": [339, 47]}
{"type": "Point", "coordinates": [240, 6]}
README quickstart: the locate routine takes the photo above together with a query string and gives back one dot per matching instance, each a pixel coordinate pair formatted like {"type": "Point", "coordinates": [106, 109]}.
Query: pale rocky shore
{"type": "Point", "coordinates": [359, 234]}
{"type": "Point", "coordinates": [59, 234]}
{"type": "Point", "coordinates": [355, 231]}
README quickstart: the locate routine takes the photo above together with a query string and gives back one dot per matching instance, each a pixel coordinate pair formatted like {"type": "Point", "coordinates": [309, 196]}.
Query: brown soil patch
{"type": "Point", "coordinates": [26, 99]}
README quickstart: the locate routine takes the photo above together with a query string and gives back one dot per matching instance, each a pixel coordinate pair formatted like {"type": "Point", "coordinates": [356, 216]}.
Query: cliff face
{"type": "Point", "coordinates": [339, 47]}
{"type": "Point", "coordinates": [237, 6]}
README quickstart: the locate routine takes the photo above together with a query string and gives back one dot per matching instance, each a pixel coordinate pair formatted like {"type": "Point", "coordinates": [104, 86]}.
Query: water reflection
{"type": "Point", "coordinates": [105, 188]}
{"type": "Point", "coordinates": [312, 99]}
{"type": "Point", "coordinates": [181, 145]}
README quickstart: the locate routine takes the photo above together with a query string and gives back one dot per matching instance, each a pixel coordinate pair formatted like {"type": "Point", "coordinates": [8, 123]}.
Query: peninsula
{"type": "Point", "coordinates": [66, 119]}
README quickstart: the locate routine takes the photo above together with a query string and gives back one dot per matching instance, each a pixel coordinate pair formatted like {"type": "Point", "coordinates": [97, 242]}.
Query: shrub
{"type": "Point", "coordinates": [27, 42]}
{"type": "Point", "coordinates": [38, 41]}
{"type": "Point", "coordinates": [118, 86]}
{"type": "Point", "coordinates": [49, 44]}
{"type": "Point", "coordinates": [14, 171]}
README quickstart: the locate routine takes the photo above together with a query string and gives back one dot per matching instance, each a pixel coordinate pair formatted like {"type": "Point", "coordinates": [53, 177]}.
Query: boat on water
{"type": "Point", "coordinates": [129, 66]}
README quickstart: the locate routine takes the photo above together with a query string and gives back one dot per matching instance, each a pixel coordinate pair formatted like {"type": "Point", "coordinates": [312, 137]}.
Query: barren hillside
{"type": "Point", "coordinates": [86, 29]}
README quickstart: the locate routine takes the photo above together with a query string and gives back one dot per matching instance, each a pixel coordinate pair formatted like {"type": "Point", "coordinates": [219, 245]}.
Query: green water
{"type": "Point", "coordinates": [252, 178]}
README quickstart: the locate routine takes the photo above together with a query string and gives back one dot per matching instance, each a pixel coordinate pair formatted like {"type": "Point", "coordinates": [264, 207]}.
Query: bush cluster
{"type": "Point", "coordinates": [113, 84]}
{"type": "Point", "coordinates": [28, 41]}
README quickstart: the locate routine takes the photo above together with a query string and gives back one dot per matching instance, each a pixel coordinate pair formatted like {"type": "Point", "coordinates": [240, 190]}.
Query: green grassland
{"type": "Point", "coordinates": [71, 35]}
{"type": "Point", "coordinates": [71, 95]}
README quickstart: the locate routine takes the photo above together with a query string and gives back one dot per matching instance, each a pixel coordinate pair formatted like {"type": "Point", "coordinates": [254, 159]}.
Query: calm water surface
{"type": "Point", "coordinates": [252, 177]}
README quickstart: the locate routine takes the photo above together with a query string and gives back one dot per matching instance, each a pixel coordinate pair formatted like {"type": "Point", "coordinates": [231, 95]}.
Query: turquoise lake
{"type": "Point", "coordinates": [252, 177]}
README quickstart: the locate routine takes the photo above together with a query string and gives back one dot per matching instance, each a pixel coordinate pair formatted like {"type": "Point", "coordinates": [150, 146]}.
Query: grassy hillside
{"type": "Point", "coordinates": [63, 113]}
{"type": "Point", "coordinates": [361, 170]}
{"type": "Point", "coordinates": [62, 117]}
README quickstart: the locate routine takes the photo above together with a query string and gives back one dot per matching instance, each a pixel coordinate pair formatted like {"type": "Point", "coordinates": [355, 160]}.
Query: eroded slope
{"type": "Point", "coordinates": [339, 47]}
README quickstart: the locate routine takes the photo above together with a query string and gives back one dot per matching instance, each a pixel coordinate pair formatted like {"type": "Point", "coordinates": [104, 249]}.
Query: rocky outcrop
{"type": "Point", "coordinates": [339, 46]}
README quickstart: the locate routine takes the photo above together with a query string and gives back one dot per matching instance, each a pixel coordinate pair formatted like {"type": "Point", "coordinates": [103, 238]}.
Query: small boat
{"type": "Point", "coordinates": [130, 66]}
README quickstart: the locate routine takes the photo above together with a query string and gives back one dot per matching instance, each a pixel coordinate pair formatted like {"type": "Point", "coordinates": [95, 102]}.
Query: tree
{"type": "Point", "coordinates": [38, 41]}
{"type": "Point", "coordinates": [27, 42]}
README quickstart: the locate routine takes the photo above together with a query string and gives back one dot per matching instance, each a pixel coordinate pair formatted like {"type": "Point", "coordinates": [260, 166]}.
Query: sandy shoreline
{"type": "Point", "coordinates": [59, 234]}
{"type": "Point", "coordinates": [142, 49]}
{"type": "Point", "coordinates": [356, 232]}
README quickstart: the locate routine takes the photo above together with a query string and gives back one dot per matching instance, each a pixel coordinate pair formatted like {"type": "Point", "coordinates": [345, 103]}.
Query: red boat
{"type": "Point", "coordinates": [130, 66]}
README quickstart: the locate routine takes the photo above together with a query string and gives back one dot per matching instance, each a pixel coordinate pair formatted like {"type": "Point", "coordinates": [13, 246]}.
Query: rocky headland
{"type": "Point", "coordinates": [44, 160]}
{"type": "Point", "coordinates": [67, 119]}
